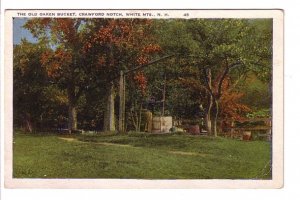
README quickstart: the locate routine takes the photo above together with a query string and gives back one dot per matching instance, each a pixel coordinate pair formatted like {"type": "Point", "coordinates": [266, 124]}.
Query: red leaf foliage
{"type": "Point", "coordinates": [231, 109]}
{"type": "Point", "coordinates": [56, 61]}
{"type": "Point", "coordinates": [141, 81]}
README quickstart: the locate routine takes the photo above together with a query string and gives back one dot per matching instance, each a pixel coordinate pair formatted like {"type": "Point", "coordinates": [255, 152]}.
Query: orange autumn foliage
{"type": "Point", "coordinates": [125, 35]}
{"type": "Point", "coordinates": [151, 48]}
{"type": "Point", "coordinates": [141, 81]}
{"type": "Point", "coordinates": [103, 45]}
{"type": "Point", "coordinates": [230, 107]}
{"type": "Point", "coordinates": [115, 38]}
{"type": "Point", "coordinates": [66, 26]}
{"type": "Point", "coordinates": [55, 61]}
{"type": "Point", "coordinates": [142, 60]}
{"type": "Point", "coordinates": [63, 33]}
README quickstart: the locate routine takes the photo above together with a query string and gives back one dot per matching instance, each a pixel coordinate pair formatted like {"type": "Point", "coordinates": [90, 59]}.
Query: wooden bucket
{"type": "Point", "coordinates": [194, 129]}
{"type": "Point", "coordinates": [247, 135]}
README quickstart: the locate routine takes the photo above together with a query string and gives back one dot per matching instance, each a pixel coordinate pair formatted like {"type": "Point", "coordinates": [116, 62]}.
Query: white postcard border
{"type": "Point", "coordinates": [277, 123]}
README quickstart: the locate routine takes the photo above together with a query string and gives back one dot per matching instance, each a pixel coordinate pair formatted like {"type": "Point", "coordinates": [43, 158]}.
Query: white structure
{"type": "Point", "coordinates": [161, 124]}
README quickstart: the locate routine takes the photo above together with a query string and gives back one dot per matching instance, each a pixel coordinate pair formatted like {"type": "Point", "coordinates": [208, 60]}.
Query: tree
{"type": "Point", "coordinates": [117, 45]}
{"type": "Point", "coordinates": [87, 53]}
{"type": "Point", "coordinates": [63, 60]}
{"type": "Point", "coordinates": [231, 107]}
{"type": "Point", "coordinates": [36, 101]}
{"type": "Point", "coordinates": [218, 49]}
{"type": "Point", "coordinates": [82, 56]}
{"type": "Point", "coordinates": [228, 44]}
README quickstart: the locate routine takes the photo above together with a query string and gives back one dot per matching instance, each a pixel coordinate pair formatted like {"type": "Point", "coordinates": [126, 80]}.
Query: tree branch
{"type": "Point", "coordinates": [219, 91]}
{"type": "Point", "coordinates": [204, 70]}
{"type": "Point", "coordinates": [226, 71]}
{"type": "Point", "coordinates": [150, 63]}
{"type": "Point", "coordinates": [79, 93]}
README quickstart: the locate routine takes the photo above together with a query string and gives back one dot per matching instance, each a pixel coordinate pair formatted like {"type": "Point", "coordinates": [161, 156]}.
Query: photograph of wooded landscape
{"type": "Point", "coordinates": [130, 98]}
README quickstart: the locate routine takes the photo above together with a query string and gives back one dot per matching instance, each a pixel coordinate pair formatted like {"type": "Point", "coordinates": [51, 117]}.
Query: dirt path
{"type": "Point", "coordinates": [100, 143]}
{"type": "Point", "coordinates": [183, 153]}
{"type": "Point", "coordinates": [69, 139]}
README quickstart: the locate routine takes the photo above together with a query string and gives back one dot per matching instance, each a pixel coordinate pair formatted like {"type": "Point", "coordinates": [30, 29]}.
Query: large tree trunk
{"type": "Point", "coordinates": [28, 123]}
{"type": "Point", "coordinates": [109, 115]}
{"type": "Point", "coordinates": [215, 118]}
{"type": "Point", "coordinates": [164, 95]}
{"type": "Point", "coordinates": [72, 113]}
{"type": "Point", "coordinates": [135, 115]}
{"type": "Point", "coordinates": [72, 123]}
{"type": "Point", "coordinates": [140, 118]}
{"type": "Point", "coordinates": [208, 117]}
{"type": "Point", "coordinates": [210, 107]}
{"type": "Point", "coordinates": [121, 127]}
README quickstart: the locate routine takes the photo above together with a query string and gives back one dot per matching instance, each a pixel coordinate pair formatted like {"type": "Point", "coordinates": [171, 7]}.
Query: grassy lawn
{"type": "Point", "coordinates": [140, 156]}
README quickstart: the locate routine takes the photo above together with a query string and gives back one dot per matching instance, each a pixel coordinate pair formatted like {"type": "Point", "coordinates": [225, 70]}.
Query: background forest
{"type": "Point", "coordinates": [210, 72]}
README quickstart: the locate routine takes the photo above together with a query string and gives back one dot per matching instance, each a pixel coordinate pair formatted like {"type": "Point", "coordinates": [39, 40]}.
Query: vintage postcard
{"type": "Point", "coordinates": [143, 98]}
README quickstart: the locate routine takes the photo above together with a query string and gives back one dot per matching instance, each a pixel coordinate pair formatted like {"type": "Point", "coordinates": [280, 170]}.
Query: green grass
{"type": "Point", "coordinates": [139, 156]}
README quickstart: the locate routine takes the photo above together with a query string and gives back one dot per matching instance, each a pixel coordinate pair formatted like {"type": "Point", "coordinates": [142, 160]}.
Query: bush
{"type": "Point", "coordinates": [262, 113]}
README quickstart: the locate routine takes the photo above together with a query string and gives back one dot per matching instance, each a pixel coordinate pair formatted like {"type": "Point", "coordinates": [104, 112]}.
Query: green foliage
{"type": "Point", "coordinates": [184, 104]}
{"type": "Point", "coordinates": [257, 93]}
{"type": "Point", "coordinates": [262, 113]}
{"type": "Point", "coordinates": [228, 48]}
{"type": "Point", "coordinates": [250, 124]}
{"type": "Point", "coordinates": [37, 102]}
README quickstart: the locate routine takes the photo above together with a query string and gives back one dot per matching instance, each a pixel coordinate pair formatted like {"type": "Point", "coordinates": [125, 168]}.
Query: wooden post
{"type": "Point", "coordinates": [121, 127]}
{"type": "Point", "coordinates": [164, 95]}
{"type": "Point", "coordinates": [109, 115]}
{"type": "Point", "coordinates": [122, 102]}
{"type": "Point", "coordinates": [232, 126]}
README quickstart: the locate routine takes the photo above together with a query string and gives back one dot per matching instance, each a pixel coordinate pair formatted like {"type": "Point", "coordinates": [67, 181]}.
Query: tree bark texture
{"type": "Point", "coordinates": [215, 118]}
{"type": "Point", "coordinates": [208, 117]}
{"type": "Point", "coordinates": [109, 115]}
{"type": "Point", "coordinates": [210, 107]}
{"type": "Point", "coordinates": [28, 123]}
{"type": "Point", "coordinates": [121, 126]}
{"type": "Point", "coordinates": [72, 113]}
{"type": "Point", "coordinates": [72, 125]}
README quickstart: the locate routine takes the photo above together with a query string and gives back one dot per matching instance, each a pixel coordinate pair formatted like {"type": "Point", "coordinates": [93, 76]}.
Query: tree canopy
{"type": "Point", "coordinates": [73, 70]}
